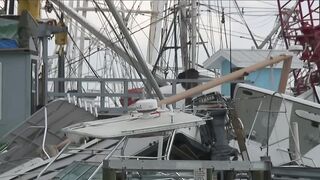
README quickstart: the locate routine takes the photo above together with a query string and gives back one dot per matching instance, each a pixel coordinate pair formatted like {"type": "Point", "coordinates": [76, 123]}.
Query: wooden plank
{"type": "Point", "coordinates": [227, 78]}
{"type": "Point", "coordinates": [239, 132]}
{"type": "Point", "coordinates": [286, 68]}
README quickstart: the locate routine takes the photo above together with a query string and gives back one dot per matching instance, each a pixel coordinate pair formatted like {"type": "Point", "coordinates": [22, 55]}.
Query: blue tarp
{"type": "Point", "coordinates": [8, 43]}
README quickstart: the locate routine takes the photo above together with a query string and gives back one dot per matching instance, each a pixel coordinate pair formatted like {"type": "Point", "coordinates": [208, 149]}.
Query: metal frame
{"type": "Point", "coordinates": [300, 27]}
{"type": "Point", "coordinates": [186, 165]}
{"type": "Point", "coordinates": [185, 169]}
{"type": "Point", "coordinates": [293, 172]}
{"type": "Point", "coordinates": [107, 157]}
{"type": "Point", "coordinates": [103, 93]}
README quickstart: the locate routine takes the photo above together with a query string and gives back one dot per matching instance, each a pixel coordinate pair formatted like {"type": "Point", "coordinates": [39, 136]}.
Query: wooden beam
{"type": "Point", "coordinates": [227, 78]}
{"type": "Point", "coordinates": [286, 68]}
{"type": "Point", "coordinates": [239, 132]}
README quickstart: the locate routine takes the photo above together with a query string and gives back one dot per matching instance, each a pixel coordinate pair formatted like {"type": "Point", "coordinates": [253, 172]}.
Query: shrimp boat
{"type": "Point", "coordinates": [147, 89]}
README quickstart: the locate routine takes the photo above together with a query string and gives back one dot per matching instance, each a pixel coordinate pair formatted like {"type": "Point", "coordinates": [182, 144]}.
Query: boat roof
{"type": "Point", "coordinates": [248, 57]}
{"type": "Point", "coordinates": [134, 124]}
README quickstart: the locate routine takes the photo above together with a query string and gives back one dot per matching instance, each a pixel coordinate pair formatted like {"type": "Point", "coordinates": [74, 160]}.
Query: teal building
{"type": "Point", "coordinates": [267, 78]}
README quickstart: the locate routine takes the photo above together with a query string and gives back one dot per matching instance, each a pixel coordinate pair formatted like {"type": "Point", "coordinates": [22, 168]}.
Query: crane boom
{"type": "Point", "coordinates": [302, 27]}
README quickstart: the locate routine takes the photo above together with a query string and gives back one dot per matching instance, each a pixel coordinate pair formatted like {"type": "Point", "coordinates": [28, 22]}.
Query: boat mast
{"type": "Point", "coordinates": [135, 50]}
{"type": "Point", "coordinates": [82, 36]}
{"type": "Point", "coordinates": [193, 33]}
{"type": "Point", "coordinates": [72, 28]}
{"type": "Point", "coordinates": [157, 8]}
{"type": "Point", "coordinates": [188, 56]}
{"type": "Point", "coordinates": [184, 34]}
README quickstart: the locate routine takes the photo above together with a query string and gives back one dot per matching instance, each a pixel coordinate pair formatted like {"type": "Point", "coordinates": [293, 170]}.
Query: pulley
{"type": "Point", "coordinates": [62, 37]}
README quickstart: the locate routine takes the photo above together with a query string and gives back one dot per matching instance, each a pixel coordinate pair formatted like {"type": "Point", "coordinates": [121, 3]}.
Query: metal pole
{"type": "Point", "coordinates": [107, 157]}
{"type": "Point", "coordinates": [170, 144]}
{"type": "Point", "coordinates": [296, 142]}
{"type": "Point", "coordinates": [45, 70]}
{"type": "Point", "coordinates": [193, 33]}
{"type": "Point", "coordinates": [96, 32]}
{"type": "Point", "coordinates": [70, 44]}
{"type": "Point", "coordinates": [55, 158]}
{"type": "Point", "coordinates": [45, 132]}
{"type": "Point", "coordinates": [183, 34]}
{"type": "Point", "coordinates": [176, 66]}
{"type": "Point", "coordinates": [124, 146]}
{"type": "Point", "coordinates": [82, 35]}
{"type": "Point", "coordinates": [134, 48]}
{"type": "Point", "coordinates": [134, 64]}
{"type": "Point", "coordinates": [61, 71]}
{"type": "Point", "coordinates": [160, 146]}
{"type": "Point", "coordinates": [154, 34]}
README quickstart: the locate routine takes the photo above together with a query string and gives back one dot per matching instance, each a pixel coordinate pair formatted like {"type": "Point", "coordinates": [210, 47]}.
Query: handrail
{"type": "Point", "coordinates": [103, 95]}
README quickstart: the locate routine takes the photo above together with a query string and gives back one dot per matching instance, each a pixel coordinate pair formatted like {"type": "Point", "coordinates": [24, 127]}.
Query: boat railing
{"type": "Point", "coordinates": [108, 95]}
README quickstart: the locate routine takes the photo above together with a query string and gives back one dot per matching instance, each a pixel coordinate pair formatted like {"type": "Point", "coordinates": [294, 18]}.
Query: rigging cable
{"type": "Point", "coordinates": [223, 21]}
{"type": "Point", "coordinates": [245, 23]}
{"type": "Point", "coordinates": [124, 47]}
{"type": "Point", "coordinates": [82, 55]}
{"type": "Point", "coordinates": [153, 45]}
{"type": "Point", "coordinates": [73, 61]}
{"type": "Point", "coordinates": [114, 40]}
{"type": "Point", "coordinates": [220, 12]}
{"type": "Point", "coordinates": [230, 51]}
{"type": "Point", "coordinates": [126, 20]}
{"type": "Point", "coordinates": [205, 49]}
{"type": "Point", "coordinates": [141, 28]}
{"type": "Point", "coordinates": [75, 44]}
{"type": "Point", "coordinates": [162, 48]}
{"type": "Point", "coordinates": [211, 36]}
